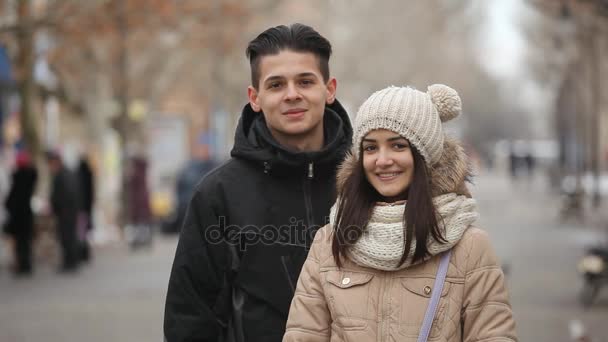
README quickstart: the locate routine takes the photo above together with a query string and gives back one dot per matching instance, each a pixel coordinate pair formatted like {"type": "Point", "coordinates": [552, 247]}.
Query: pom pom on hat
{"type": "Point", "coordinates": [446, 100]}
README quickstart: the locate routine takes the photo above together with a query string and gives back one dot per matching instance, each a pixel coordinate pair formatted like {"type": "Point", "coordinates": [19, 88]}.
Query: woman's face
{"type": "Point", "coordinates": [388, 163]}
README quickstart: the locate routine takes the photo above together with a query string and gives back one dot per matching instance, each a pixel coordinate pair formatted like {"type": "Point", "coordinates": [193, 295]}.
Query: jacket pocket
{"type": "Point", "coordinates": [349, 297]}
{"type": "Point", "coordinates": [414, 299]}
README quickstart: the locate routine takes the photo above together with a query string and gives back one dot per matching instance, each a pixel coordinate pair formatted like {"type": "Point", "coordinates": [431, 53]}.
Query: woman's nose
{"type": "Point", "coordinates": [384, 158]}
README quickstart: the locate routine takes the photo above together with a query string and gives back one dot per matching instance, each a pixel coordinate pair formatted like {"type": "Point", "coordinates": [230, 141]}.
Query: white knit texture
{"type": "Point", "coordinates": [412, 114]}
{"type": "Point", "coordinates": [381, 245]}
{"type": "Point", "coordinates": [446, 100]}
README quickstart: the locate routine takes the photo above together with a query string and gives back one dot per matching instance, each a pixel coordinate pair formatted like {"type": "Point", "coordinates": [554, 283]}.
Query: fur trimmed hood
{"type": "Point", "coordinates": [449, 174]}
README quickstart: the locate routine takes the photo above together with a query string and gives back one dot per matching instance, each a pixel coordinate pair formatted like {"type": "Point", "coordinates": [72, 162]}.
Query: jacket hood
{"type": "Point", "coordinates": [254, 142]}
{"type": "Point", "coordinates": [449, 174]}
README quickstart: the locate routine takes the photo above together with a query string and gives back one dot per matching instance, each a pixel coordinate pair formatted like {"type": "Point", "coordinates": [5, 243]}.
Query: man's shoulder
{"type": "Point", "coordinates": [229, 172]}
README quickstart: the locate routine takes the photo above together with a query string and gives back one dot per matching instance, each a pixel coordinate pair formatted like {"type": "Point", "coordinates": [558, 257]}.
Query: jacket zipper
{"type": "Point", "coordinates": [307, 195]}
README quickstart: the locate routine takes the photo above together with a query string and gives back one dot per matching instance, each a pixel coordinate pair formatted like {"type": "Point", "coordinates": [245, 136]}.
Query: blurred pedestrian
{"type": "Point", "coordinates": [401, 257]}
{"type": "Point", "coordinates": [530, 162]}
{"type": "Point", "coordinates": [20, 223]}
{"type": "Point", "coordinates": [87, 197]}
{"type": "Point", "coordinates": [6, 250]}
{"type": "Point", "coordinates": [65, 204]}
{"type": "Point", "coordinates": [280, 180]}
{"type": "Point", "coordinates": [185, 186]}
{"type": "Point", "coordinates": [139, 214]}
{"type": "Point", "coordinates": [513, 162]}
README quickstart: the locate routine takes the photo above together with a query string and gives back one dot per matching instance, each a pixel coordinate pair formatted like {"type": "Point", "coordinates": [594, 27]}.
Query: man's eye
{"type": "Point", "coordinates": [274, 85]}
{"type": "Point", "coordinates": [306, 82]}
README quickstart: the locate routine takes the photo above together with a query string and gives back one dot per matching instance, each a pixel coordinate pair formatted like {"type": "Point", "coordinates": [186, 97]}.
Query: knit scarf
{"type": "Point", "coordinates": [381, 244]}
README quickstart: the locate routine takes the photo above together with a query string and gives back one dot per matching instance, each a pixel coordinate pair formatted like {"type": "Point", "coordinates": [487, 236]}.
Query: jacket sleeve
{"type": "Point", "coordinates": [197, 303]}
{"type": "Point", "coordinates": [56, 194]}
{"type": "Point", "coordinates": [11, 199]}
{"type": "Point", "coordinates": [309, 317]}
{"type": "Point", "coordinates": [486, 313]}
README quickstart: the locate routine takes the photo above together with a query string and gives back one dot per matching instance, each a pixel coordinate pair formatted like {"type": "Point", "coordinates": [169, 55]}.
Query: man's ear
{"type": "Point", "coordinates": [331, 90]}
{"type": "Point", "coordinates": [252, 94]}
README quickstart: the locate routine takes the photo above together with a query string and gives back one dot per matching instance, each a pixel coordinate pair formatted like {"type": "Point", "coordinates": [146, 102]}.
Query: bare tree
{"type": "Point", "coordinates": [568, 42]}
{"type": "Point", "coordinates": [425, 42]}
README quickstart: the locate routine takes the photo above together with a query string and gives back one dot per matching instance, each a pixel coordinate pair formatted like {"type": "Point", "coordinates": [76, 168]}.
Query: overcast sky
{"type": "Point", "coordinates": [502, 49]}
{"type": "Point", "coordinates": [501, 43]}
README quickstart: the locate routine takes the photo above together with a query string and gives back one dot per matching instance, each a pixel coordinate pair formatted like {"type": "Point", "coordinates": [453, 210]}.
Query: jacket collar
{"type": "Point", "coordinates": [254, 142]}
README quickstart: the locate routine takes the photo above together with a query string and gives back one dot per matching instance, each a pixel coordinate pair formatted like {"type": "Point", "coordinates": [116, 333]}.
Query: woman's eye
{"type": "Point", "coordinates": [400, 146]}
{"type": "Point", "coordinates": [369, 148]}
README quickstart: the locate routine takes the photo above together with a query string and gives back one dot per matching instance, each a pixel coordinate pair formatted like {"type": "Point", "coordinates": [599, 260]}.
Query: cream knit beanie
{"type": "Point", "coordinates": [415, 115]}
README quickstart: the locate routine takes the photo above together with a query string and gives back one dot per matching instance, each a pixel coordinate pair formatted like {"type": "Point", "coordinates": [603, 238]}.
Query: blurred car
{"type": "Point", "coordinates": [186, 182]}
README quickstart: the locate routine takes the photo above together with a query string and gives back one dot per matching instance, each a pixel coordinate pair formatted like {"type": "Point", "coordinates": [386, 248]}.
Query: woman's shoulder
{"type": "Point", "coordinates": [475, 250]}
{"type": "Point", "coordinates": [324, 234]}
{"type": "Point", "coordinates": [321, 245]}
{"type": "Point", "coordinates": [475, 235]}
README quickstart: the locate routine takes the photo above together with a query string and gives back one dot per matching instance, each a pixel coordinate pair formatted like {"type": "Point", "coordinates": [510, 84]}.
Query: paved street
{"type": "Point", "coordinates": [120, 296]}
{"type": "Point", "coordinates": [542, 254]}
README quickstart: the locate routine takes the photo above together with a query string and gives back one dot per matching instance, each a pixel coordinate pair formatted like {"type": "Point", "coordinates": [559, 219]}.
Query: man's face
{"type": "Point", "coordinates": [292, 94]}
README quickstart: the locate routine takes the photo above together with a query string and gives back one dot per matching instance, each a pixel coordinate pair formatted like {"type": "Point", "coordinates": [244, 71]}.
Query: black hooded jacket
{"type": "Point", "coordinates": [247, 232]}
{"type": "Point", "coordinates": [20, 215]}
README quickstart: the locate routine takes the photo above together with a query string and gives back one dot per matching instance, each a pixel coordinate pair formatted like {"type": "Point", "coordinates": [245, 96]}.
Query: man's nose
{"type": "Point", "coordinates": [292, 92]}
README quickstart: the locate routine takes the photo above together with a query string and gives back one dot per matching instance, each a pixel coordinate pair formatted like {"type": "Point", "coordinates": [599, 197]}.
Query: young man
{"type": "Point", "coordinates": [251, 221]}
{"type": "Point", "coordinates": [65, 204]}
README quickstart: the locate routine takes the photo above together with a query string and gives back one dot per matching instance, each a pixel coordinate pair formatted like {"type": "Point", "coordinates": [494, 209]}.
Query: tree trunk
{"type": "Point", "coordinates": [25, 66]}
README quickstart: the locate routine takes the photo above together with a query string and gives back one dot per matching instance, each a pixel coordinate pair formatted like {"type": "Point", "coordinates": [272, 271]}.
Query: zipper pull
{"type": "Point", "coordinates": [310, 171]}
{"type": "Point", "coordinates": [266, 167]}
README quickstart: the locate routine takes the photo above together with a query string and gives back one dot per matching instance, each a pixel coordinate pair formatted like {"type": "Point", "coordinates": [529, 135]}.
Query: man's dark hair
{"type": "Point", "coordinates": [297, 38]}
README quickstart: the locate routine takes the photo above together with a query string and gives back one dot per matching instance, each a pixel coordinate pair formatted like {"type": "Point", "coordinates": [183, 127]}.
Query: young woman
{"type": "Point", "coordinates": [402, 243]}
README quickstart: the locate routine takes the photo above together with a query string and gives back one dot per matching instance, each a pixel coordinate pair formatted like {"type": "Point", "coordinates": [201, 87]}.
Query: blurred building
{"type": "Point", "coordinates": [7, 89]}
{"type": "Point", "coordinates": [168, 79]}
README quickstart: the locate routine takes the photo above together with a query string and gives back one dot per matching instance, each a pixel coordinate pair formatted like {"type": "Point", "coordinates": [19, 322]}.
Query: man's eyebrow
{"type": "Point", "coordinates": [278, 78]}
{"type": "Point", "coordinates": [273, 78]}
{"type": "Point", "coordinates": [307, 74]}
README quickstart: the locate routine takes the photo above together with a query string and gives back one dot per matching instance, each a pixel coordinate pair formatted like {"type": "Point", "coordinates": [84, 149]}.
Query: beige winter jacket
{"type": "Point", "coordinates": [356, 303]}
